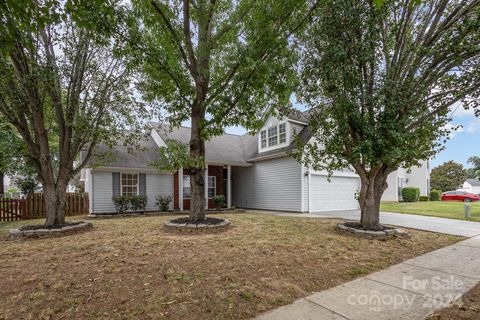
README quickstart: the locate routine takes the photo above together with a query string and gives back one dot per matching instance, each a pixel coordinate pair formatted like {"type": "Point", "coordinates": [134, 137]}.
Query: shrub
{"type": "Point", "coordinates": [423, 198]}
{"type": "Point", "coordinates": [435, 195]}
{"type": "Point", "coordinates": [122, 203]}
{"type": "Point", "coordinates": [410, 194]}
{"type": "Point", "coordinates": [163, 202]}
{"type": "Point", "coordinates": [138, 203]}
{"type": "Point", "coordinates": [219, 201]}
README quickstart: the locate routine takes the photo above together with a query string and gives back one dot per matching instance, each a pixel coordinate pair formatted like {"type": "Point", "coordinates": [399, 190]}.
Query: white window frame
{"type": "Point", "coordinates": [263, 138]}
{"type": "Point", "coordinates": [121, 182]}
{"type": "Point", "coordinates": [186, 185]}
{"type": "Point", "coordinates": [273, 136]}
{"type": "Point", "coordinates": [278, 135]}
{"type": "Point", "coordinates": [214, 186]}
{"type": "Point", "coordinates": [284, 133]}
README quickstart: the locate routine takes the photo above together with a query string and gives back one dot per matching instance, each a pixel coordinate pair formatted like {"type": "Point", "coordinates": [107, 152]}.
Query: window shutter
{"type": "Point", "coordinates": [116, 184]}
{"type": "Point", "coordinates": [142, 184]}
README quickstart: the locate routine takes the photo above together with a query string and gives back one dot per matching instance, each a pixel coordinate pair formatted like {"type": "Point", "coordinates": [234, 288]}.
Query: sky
{"type": "Point", "coordinates": [463, 144]}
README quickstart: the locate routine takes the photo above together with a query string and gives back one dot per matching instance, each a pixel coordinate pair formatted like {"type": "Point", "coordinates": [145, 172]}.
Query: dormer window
{"type": "Point", "coordinates": [273, 136]}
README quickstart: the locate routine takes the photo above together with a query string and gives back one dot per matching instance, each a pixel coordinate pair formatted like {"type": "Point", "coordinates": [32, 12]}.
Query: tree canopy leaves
{"type": "Point", "coordinates": [475, 161]}
{"type": "Point", "coordinates": [63, 87]}
{"type": "Point", "coordinates": [233, 57]}
{"type": "Point", "coordinates": [379, 80]}
{"type": "Point", "coordinates": [448, 176]}
{"type": "Point", "coordinates": [12, 149]}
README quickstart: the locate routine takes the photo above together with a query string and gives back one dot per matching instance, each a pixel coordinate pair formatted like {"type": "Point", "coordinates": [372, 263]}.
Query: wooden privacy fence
{"type": "Point", "coordinates": [33, 206]}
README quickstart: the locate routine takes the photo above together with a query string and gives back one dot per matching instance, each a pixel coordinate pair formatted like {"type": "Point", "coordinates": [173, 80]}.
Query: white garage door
{"type": "Point", "coordinates": [338, 194]}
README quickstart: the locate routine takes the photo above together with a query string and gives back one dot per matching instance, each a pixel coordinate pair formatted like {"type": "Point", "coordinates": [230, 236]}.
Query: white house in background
{"type": "Point", "coordinates": [471, 185]}
{"type": "Point", "coordinates": [6, 183]}
{"type": "Point", "coordinates": [415, 177]}
{"type": "Point", "coordinates": [252, 171]}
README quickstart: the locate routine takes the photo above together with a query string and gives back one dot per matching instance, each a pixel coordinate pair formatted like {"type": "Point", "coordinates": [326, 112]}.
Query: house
{"type": "Point", "coordinates": [472, 186]}
{"type": "Point", "coordinates": [252, 171]}
{"type": "Point", "coordinates": [417, 176]}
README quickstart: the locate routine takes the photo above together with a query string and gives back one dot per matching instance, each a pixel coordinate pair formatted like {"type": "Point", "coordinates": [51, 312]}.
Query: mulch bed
{"type": "Point", "coordinates": [207, 221]}
{"type": "Point", "coordinates": [359, 226]}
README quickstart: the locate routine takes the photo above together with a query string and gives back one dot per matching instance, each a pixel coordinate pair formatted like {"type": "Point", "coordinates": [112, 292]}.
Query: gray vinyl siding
{"type": "Point", "coordinates": [273, 184]}
{"type": "Point", "coordinates": [158, 184]}
{"type": "Point", "coordinates": [102, 192]}
{"type": "Point", "coordinates": [295, 129]}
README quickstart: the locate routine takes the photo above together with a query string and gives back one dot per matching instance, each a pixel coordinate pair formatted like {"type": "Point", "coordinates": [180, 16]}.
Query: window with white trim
{"type": "Point", "coordinates": [263, 138]}
{"type": "Point", "coordinates": [212, 186]}
{"type": "Point", "coordinates": [282, 131]}
{"type": "Point", "coordinates": [273, 136]}
{"type": "Point", "coordinates": [129, 184]}
{"type": "Point", "coordinates": [186, 187]}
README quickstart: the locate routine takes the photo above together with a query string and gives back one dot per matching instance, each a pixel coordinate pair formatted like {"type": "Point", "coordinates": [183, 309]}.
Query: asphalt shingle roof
{"type": "Point", "coordinates": [227, 148]}
{"type": "Point", "coordinates": [140, 155]}
{"type": "Point", "coordinates": [474, 182]}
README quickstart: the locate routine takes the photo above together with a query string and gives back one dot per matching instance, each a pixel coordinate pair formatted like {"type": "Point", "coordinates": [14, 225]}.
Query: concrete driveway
{"type": "Point", "coordinates": [440, 225]}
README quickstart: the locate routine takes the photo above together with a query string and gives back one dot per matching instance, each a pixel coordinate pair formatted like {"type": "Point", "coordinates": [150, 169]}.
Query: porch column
{"type": "Point", "coordinates": [180, 189]}
{"type": "Point", "coordinates": [206, 185]}
{"type": "Point", "coordinates": [229, 186]}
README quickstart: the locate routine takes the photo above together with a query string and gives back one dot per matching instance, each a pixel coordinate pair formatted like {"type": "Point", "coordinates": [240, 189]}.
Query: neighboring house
{"type": "Point", "coordinates": [252, 171]}
{"type": "Point", "coordinates": [471, 185]}
{"type": "Point", "coordinates": [6, 183]}
{"type": "Point", "coordinates": [415, 177]}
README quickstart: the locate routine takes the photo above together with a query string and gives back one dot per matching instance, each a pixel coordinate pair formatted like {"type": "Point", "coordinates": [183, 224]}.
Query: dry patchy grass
{"type": "Point", "coordinates": [131, 268]}
{"type": "Point", "coordinates": [467, 308]}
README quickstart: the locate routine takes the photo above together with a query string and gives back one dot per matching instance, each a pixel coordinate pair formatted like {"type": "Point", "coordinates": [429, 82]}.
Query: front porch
{"type": "Point", "coordinates": [219, 182]}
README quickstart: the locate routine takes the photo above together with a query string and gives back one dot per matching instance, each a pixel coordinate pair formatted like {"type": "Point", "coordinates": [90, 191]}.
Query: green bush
{"type": "Point", "coordinates": [410, 194]}
{"type": "Point", "coordinates": [423, 198]}
{"type": "Point", "coordinates": [219, 201]}
{"type": "Point", "coordinates": [435, 195]}
{"type": "Point", "coordinates": [163, 202]}
{"type": "Point", "coordinates": [138, 203]}
{"type": "Point", "coordinates": [122, 203]}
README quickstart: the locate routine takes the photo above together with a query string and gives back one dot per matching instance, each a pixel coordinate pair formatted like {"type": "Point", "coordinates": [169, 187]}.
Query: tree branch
{"type": "Point", "coordinates": [175, 37]}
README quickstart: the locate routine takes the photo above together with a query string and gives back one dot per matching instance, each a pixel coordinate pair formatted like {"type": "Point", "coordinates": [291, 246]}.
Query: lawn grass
{"type": "Point", "coordinates": [131, 268]}
{"type": "Point", "coordinates": [444, 209]}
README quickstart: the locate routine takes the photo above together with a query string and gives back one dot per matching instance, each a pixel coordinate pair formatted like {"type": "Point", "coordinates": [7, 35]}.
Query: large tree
{"type": "Point", "coordinates": [379, 80]}
{"type": "Point", "coordinates": [448, 176]}
{"type": "Point", "coordinates": [475, 162]}
{"type": "Point", "coordinates": [217, 63]}
{"type": "Point", "coordinates": [62, 88]}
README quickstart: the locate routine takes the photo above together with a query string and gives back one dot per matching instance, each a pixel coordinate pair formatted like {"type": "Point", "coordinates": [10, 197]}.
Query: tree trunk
{"type": "Point", "coordinates": [197, 177]}
{"type": "Point", "coordinates": [55, 201]}
{"type": "Point", "coordinates": [370, 196]}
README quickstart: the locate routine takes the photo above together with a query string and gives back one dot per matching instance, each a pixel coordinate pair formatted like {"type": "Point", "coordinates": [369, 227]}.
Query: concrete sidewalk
{"type": "Point", "coordinates": [427, 223]}
{"type": "Point", "coordinates": [409, 290]}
